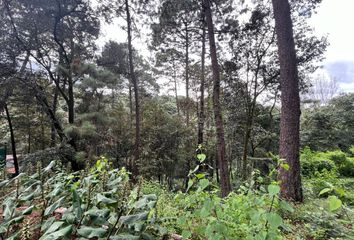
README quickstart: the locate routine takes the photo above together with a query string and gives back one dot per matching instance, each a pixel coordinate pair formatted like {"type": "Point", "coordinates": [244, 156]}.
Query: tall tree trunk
{"type": "Point", "coordinates": [13, 142]}
{"type": "Point", "coordinates": [187, 74]}
{"type": "Point", "coordinates": [290, 103]}
{"type": "Point", "coordinates": [136, 90]}
{"type": "Point", "coordinates": [176, 87]}
{"type": "Point", "coordinates": [223, 163]}
{"type": "Point", "coordinates": [29, 132]}
{"type": "Point", "coordinates": [54, 107]}
{"type": "Point", "coordinates": [202, 87]}
{"type": "Point", "coordinates": [71, 102]}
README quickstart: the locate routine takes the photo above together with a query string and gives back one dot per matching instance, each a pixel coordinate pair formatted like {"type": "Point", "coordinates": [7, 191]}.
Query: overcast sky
{"type": "Point", "coordinates": [334, 17]}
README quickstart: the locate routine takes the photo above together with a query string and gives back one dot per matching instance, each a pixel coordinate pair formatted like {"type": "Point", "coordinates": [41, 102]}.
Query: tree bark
{"type": "Point", "coordinates": [202, 87]}
{"type": "Point", "coordinates": [290, 101]}
{"type": "Point", "coordinates": [136, 90]}
{"type": "Point", "coordinates": [54, 107]}
{"type": "Point", "coordinates": [223, 163]}
{"type": "Point", "coordinates": [13, 142]}
{"type": "Point", "coordinates": [187, 75]}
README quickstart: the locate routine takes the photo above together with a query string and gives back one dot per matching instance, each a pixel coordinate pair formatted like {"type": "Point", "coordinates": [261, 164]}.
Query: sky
{"type": "Point", "coordinates": [336, 18]}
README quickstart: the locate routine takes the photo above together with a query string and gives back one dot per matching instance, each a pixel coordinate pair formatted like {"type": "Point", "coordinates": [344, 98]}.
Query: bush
{"type": "Point", "coordinates": [310, 167]}
{"type": "Point", "coordinates": [347, 168]}
{"type": "Point", "coordinates": [338, 157]}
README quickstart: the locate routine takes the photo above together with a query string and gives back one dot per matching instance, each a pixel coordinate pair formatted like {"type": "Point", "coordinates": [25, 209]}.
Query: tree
{"type": "Point", "coordinates": [221, 151]}
{"type": "Point", "coordinates": [290, 179]}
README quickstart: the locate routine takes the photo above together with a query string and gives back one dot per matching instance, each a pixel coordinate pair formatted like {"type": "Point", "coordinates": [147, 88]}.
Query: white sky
{"type": "Point", "coordinates": [334, 17]}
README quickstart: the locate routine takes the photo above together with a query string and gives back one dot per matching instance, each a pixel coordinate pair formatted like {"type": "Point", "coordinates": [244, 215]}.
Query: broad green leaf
{"type": "Point", "coordinates": [203, 184]}
{"type": "Point", "coordinates": [274, 220]}
{"type": "Point", "coordinates": [273, 189]}
{"type": "Point", "coordinates": [124, 237]}
{"type": "Point", "coordinates": [49, 167]}
{"type": "Point", "coordinates": [286, 206]}
{"type": "Point", "coordinates": [28, 210]}
{"type": "Point", "coordinates": [55, 205]}
{"type": "Point", "coordinates": [60, 234]}
{"type": "Point", "coordinates": [47, 224]}
{"type": "Point", "coordinates": [134, 218]}
{"type": "Point", "coordinates": [91, 232]}
{"type": "Point", "coordinates": [54, 227]}
{"type": "Point", "coordinates": [28, 197]}
{"type": "Point", "coordinates": [77, 204]}
{"type": "Point", "coordinates": [190, 184]}
{"type": "Point", "coordinates": [334, 203]}
{"type": "Point", "coordinates": [3, 183]}
{"type": "Point", "coordinates": [325, 190]}
{"type": "Point", "coordinates": [200, 175]}
{"type": "Point", "coordinates": [102, 199]}
{"type": "Point", "coordinates": [201, 157]}
{"type": "Point", "coordinates": [9, 206]}
{"type": "Point", "coordinates": [285, 166]}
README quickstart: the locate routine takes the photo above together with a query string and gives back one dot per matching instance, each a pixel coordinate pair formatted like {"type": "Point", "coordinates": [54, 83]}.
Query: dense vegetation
{"type": "Point", "coordinates": [216, 133]}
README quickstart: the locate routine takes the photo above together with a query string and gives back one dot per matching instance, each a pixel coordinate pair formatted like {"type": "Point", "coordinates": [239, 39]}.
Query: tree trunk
{"type": "Point", "coordinates": [202, 86]}
{"type": "Point", "coordinates": [290, 101]}
{"type": "Point", "coordinates": [54, 107]}
{"type": "Point", "coordinates": [223, 163]}
{"type": "Point", "coordinates": [13, 142]}
{"type": "Point", "coordinates": [136, 91]}
{"type": "Point", "coordinates": [176, 87]}
{"type": "Point", "coordinates": [71, 102]}
{"type": "Point", "coordinates": [187, 75]}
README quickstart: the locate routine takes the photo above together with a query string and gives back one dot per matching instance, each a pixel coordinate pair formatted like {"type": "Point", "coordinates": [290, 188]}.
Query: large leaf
{"type": "Point", "coordinates": [49, 167]}
{"type": "Point", "coordinates": [60, 234]}
{"type": "Point", "coordinates": [9, 207]}
{"type": "Point", "coordinates": [130, 219]}
{"type": "Point", "coordinates": [28, 210]}
{"type": "Point", "coordinates": [124, 237]}
{"type": "Point", "coordinates": [274, 220]}
{"type": "Point", "coordinates": [286, 206]}
{"type": "Point", "coordinates": [77, 204]}
{"type": "Point", "coordinates": [203, 184]}
{"type": "Point", "coordinates": [102, 199]}
{"type": "Point", "coordinates": [90, 232]}
{"type": "Point", "coordinates": [273, 189]}
{"type": "Point", "coordinates": [55, 205]}
{"type": "Point", "coordinates": [334, 203]}
{"type": "Point", "coordinates": [54, 227]}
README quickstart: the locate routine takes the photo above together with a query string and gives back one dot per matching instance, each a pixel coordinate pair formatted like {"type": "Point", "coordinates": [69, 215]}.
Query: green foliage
{"type": "Point", "coordinates": [331, 161]}
{"type": "Point", "coordinates": [98, 203]}
{"type": "Point", "coordinates": [347, 168]}
{"type": "Point", "coordinates": [249, 214]}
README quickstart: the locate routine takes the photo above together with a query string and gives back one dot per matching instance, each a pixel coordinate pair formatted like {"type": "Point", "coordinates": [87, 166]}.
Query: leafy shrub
{"type": "Point", "coordinates": [347, 168]}
{"type": "Point", "coordinates": [338, 157]}
{"type": "Point", "coordinates": [91, 204]}
{"type": "Point", "coordinates": [310, 167]}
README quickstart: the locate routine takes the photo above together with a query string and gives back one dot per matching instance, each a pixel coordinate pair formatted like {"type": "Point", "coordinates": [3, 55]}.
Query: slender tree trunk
{"type": "Point", "coordinates": [71, 102]}
{"type": "Point", "coordinates": [29, 132]}
{"type": "Point", "coordinates": [202, 87]}
{"type": "Point", "coordinates": [54, 107]}
{"type": "Point", "coordinates": [187, 75]}
{"type": "Point", "coordinates": [290, 101]}
{"type": "Point", "coordinates": [13, 142]}
{"type": "Point", "coordinates": [131, 105]}
{"type": "Point", "coordinates": [135, 88]}
{"type": "Point", "coordinates": [176, 87]}
{"type": "Point", "coordinates": [223, 163]}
